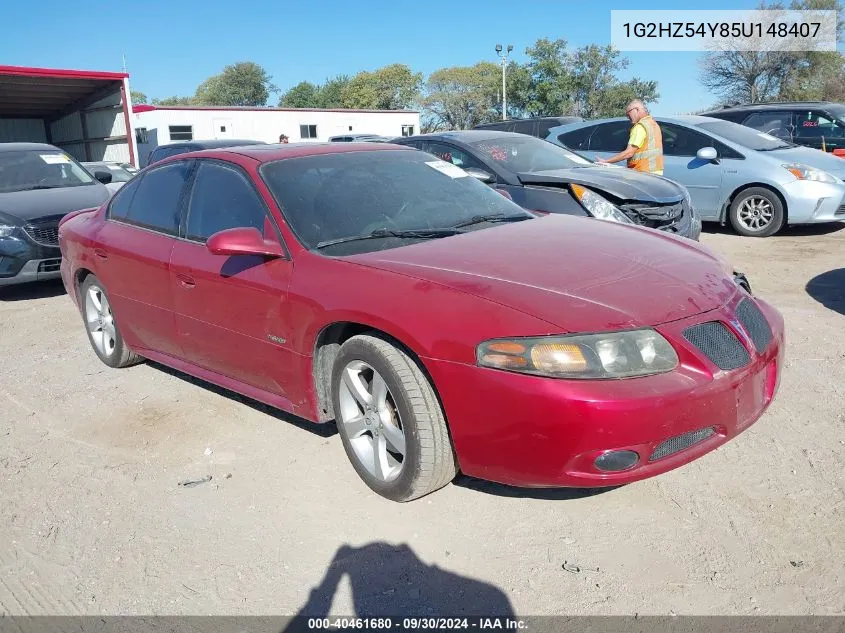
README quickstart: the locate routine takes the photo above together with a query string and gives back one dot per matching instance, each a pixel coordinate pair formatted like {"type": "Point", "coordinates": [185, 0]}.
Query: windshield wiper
{"type": "Point", "coordinates": [771, 149]}
{"type": "Point", "coordinates": [423, 234]}
{"type": "Point", "coordinates": [34, 187]}
{"type": "Point", "coordinates": [493, 217]}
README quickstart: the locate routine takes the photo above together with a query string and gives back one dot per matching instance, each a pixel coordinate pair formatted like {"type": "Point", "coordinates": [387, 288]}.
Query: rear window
{"type": "Point", "coordinates": [29, 170]}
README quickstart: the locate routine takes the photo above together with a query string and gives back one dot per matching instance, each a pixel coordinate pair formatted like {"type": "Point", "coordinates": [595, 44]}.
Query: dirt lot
{"type": "Point", "coordinates": [93, 521]}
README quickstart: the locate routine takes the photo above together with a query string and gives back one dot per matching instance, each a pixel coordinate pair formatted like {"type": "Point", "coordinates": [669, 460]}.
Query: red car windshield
{"type": "Point", "coordinates": [333, 196]}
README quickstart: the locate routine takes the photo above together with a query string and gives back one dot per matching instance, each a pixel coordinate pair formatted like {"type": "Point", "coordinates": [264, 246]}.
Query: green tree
{"type": "Point", "coordinates": [137, 97]}
{"type": "Point", "coordinates": [557, 82]}
{"type": "Point", "coordinates": [240, 84]}
{"type": "Point", "coordinates": [302, 95]}
{"type": "Point", "coordinates": [174, 101]}
{"type": "Point", "coordinates": [331, 92]}
{"type": "Point", "coordinates": [393, 87]}
{"type": "Point", "coordinates": [461, 97]}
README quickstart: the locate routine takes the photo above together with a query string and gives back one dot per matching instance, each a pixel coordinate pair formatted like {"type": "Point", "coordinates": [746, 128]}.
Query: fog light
{"type": "Point", "coordinates": [614, 461]}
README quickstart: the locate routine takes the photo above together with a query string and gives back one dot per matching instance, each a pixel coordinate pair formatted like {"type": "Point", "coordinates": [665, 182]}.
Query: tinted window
{"type": "Point", "coordinates": [544, 125]}
{"type": "Point", "coordinates": [775, 123]}
{"type": "Point", "coordinates": [452, 155]}
{"type": "Point", "coordinates": [527, 153]}
{"type": "Point", "coordinates": [331, 196]}
{"type": "Point", "coordinates": [736, 117]}
{"type": "Point", "coordinates": [120, 202]}
{"type": "Point", "coordinates": [524, 127]}
{"type": "Point", "coordinates": [681, 141]}
{"type": "Point", "coordinates": [815, 124]}
{"type": "Point", "coordinates": [577, 139]}
{"type": "Point", "coordinates": [610, 137]}
{"type": "Point", "coordinates": [222, 198]}
{"type": "Point", "coordinates": [157, 200]}
{"type": "Point", "coordinates": [160, 153]}
{"type": "Point", "coordinates": [741, 135]}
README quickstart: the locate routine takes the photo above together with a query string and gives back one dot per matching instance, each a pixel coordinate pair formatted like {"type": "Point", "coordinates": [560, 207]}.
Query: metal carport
{"type": "Point", "coordinates": [86, 113]}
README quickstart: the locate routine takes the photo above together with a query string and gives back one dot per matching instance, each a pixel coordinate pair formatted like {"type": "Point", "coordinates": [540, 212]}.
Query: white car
{"type": "Point", "coordinates": [121, 173]}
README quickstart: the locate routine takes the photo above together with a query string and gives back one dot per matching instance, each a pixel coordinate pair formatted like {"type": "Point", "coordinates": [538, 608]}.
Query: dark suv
{"type": "Point", "coordinates": [536, 126]}
{"type": "Point", "coordinates": [183, 147]}
{"type": "Point", "coordinates": [819, 124]}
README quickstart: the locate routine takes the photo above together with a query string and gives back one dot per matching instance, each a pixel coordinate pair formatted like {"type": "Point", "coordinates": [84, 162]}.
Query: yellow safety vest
{"type": "Point", "coordinates": [650, 156]}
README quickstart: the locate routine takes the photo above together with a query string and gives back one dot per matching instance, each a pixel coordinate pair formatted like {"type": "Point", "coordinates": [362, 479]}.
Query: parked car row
{"type": "Point", "coordinates": [439, 324]}
{"type": "Point", "coordinates": [755, 181]}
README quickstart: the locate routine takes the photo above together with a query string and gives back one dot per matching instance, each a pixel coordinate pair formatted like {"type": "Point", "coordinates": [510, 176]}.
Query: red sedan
{"type": "Point", "coordinates": [440, 325]}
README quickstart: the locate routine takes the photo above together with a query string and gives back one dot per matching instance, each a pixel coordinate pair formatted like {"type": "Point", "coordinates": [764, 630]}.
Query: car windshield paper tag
{"type": "Point", "coordinates": [54, 159]}
{"type": "Point", "coordinates": [453, 171]}
{"type": "Point", "coordinates": [113, 167]}
{"type": "Point", "coordinates": [768, 137]}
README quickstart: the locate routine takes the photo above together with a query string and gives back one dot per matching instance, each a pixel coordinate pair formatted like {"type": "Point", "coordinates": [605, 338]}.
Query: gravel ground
{"type": "Point", "coordinates": [93, 521]}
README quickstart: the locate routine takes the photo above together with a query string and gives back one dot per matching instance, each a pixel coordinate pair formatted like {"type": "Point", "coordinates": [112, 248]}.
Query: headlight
{"type": "Point", "coordinates": [6, 230]}
{"type": "Point", "coordinates": [598, 206]}
{"type": "Point", "coordinates": [597, 356]}
{"type": "Point", "coordinates": [805, 172]}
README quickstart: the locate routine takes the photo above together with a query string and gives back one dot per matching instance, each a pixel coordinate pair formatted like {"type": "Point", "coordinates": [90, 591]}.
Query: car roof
{"type": "Point", "coordinates": [17, 147]}
{"type": "Point", "coordinates": [213, 143]}
{"type": "Point", "coordinates": [772, 105]}
{"type": "Point", "coordinates": [469, 136]}
{"type": "Point", "coordinates": [271, 152]}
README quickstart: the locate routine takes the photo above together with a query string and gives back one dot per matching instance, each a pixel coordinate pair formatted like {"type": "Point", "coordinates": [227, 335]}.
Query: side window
{"type": "Point", "coordinates": [577, 139]}
{"type": "Point", "coordinates": [223, 198]}
{"type": "Point", "coordinates": [815, 124]}
{"type": "Point", "coordinates": [156, 203]}
{"type": "Point", "coordinates": [122, 199]}
{"type": "Point", "coordinates": [544, 125]}
{"type": "Point", "coordinates": [453, 155]}
{"type": "Point", "coordinates": [681, 141]}
{"type": "Point", "coordinates": [777, 124]}
{"type": "Point", "coordinates": [524, 127]}
{"type": "Point", "coordinates": [610, 137]}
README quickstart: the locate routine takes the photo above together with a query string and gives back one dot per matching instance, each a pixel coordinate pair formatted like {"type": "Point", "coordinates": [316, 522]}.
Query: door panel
{"type": "Point", "coordinates": [227, 308]}
{"type": "Point", "coordinates": [703, 178]}
{"type": "Point", "coordinates": [230, 309]}
{"type": "Point", "coordinates": [136, 244]}
{"type": "Point", "coordinates": [136, 276]}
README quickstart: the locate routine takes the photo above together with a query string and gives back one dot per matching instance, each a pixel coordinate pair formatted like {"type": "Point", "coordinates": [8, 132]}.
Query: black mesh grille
{"type": "Point", "coordinates": [681, 442]}
{"type": "Point", "coordinates": [50, 265]}
{"type": "Point", "coordinates": [46, 235]}
{"type": "Point", "coordinates": [719, 344]}
{"type": "Point", "coordinates": [755, 324]}
{"type": "Point", "coordinates": [840, 210]}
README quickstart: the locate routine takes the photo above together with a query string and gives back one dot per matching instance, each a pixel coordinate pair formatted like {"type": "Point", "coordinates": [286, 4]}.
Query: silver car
{"type": "Point", "coordinates": [755, 181]}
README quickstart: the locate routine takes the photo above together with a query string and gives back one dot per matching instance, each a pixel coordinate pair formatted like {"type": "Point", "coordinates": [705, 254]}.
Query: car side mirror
{"type": "Point", "coordinates": [707, 153]}
{"type": "Point", "coordinates": [103, 176]}
{"type": "Point", "coordinates": [243, 241]}
{"type": "Point", "coordinates": [479, 174]}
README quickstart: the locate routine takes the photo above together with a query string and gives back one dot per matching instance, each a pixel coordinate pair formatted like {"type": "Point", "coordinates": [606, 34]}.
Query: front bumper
{"type": "Point", "coordinates": [535, 432]}
{"type": "Point", "coordinates": [810, 202]}
{"type": "Point", "coordinates": [21, 261]}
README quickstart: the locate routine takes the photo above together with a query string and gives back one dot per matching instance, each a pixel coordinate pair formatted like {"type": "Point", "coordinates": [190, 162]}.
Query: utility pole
{"type": "Point", "coordinates": [504, 58]}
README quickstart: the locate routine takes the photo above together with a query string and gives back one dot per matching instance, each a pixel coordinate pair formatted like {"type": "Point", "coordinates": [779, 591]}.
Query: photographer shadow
{"type": "Point", "coordinates": [391, 581]}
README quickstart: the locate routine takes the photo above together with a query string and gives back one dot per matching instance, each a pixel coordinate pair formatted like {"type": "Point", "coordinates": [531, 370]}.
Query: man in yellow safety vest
{"type": "Point", "coordinates": [645, 143]}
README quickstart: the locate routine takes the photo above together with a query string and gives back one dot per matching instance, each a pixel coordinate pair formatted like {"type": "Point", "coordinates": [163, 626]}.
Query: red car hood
{"type": "Point", "coordinates": [579, 274]}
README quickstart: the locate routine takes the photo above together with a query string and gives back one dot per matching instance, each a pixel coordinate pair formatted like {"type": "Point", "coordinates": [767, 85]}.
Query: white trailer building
{"type": "Point", "coordinates": [157, 125]}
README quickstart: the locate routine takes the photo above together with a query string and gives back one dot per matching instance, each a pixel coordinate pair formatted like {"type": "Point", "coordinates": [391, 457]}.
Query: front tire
{"type": "Point", "coordinates": [103, 331]}
{"type": "Point", "coordinates": [390, 420]}
{"type": "Point", "coordinates": [757, 212]}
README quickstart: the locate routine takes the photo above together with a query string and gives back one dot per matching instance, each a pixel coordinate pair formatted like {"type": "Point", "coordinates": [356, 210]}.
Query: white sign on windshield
{"type": "Point", "coordinates": [54, 159]}
{"type": "Point", "coordinates": [453, 171]}
{"type": "Point", "coordinates": [767, 137]}
{"type": "Point", "coordinates": [578, 159]}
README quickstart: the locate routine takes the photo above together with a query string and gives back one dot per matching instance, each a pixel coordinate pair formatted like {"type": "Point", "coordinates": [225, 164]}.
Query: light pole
{"type": "Point", "coordinates": [504, 58]}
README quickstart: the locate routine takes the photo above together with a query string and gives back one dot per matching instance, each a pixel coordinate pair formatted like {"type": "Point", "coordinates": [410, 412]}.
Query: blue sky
{"type": "Point", "coordinates": [172, 45]}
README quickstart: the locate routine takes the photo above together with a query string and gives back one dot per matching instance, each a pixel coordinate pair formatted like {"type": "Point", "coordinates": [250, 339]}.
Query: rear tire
{"type": "Point", "coordinates": [390, 420]}
{"type": "Point", "coordinates": [101, 326]}
{"type": "Point", "coordinates": [757, 212]}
